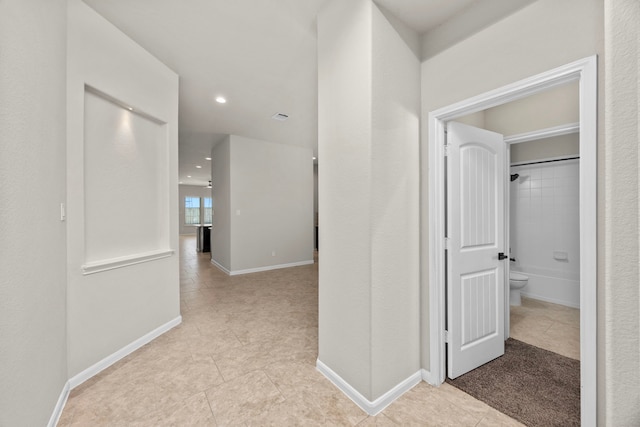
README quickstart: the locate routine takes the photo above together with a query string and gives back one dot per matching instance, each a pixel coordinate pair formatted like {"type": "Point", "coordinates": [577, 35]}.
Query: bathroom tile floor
{"type": "Point", "coordinates": [245, 354]}
{"type": "Point", "coordinates": [550, 326]}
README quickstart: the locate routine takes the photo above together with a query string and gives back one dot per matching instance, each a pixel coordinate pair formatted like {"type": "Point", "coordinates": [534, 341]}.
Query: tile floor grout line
{"type": "Point", "coordinates": [211, 408]}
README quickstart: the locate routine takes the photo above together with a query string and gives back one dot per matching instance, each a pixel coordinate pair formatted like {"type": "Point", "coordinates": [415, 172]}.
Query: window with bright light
{"type": "Point", "coordinates": [208, 210]}
{"type": "Point", "coordinates": [191, 210]}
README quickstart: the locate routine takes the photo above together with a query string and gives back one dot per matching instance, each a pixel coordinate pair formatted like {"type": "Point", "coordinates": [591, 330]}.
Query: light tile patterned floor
{"type": "Point", "coordinates": [550, 326]}
{"type": "Point", "coordinates": [245, 355]}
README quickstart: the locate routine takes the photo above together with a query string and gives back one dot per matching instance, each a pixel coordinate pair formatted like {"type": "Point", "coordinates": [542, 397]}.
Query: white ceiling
{"type": "Point", "coordinates": [259, 54]}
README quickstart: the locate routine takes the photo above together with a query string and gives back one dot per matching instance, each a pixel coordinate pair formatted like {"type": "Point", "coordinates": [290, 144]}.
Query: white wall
{"type": "Point", "coordinates": [473, 119]}
{"type": "Point", "coordinates": [125, 188]}
{"type": "Point", "coordinates": [547, 148]}
{"type": "Point", "coordinates": [263, 204]}
{"type": "Point", "coordinates": [553, 107]}
{"type": "Point", "coordinates": [620, 274]}
{"type": "Point", "coordinates": [271, 204]}
{"type": "Point", "coordinates": [344, 153]}
{"type": "Point", "coordinates": [110, 309]}
{"type": "Point", "coordinates": [33, 353]}
{"type": "Point", "coordinates": [537, 38]}
{"type": "Point", "coordinates": [472, 19]}
{"type": "Point", "coordinates": [190, 191]}
{"type": "Point", "coordinates": [221, 195]}
{"type": "Point", "coordinates": [395, 293]}
{"type": "Point", "coordinates": [545, 219]}
{"type": "Point", "coordinates": [368, 197]}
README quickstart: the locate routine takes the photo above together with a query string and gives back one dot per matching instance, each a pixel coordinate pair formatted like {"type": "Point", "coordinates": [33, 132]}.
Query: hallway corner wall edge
{"type": "Point", "coordinates": [368, 198]}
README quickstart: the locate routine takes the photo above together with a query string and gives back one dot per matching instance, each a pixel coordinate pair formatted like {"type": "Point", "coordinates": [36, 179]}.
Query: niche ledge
{"type": "Point", "coordinates": [113, 263]}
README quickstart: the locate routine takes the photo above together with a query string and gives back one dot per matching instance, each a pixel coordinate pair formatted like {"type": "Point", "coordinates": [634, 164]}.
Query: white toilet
{"type": "Point", "coordinates": [517, 281]}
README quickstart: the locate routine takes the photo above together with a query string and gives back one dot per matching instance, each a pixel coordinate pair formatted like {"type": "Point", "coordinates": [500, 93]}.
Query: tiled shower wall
{"type": "Point", "coordinates": [545, 231]}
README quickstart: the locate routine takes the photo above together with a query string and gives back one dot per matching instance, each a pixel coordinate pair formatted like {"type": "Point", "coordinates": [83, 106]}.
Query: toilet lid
{"type": "Point", "coordinates": [517, 276]}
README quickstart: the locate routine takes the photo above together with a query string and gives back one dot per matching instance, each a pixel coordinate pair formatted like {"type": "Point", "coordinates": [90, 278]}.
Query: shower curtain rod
{"type": "Point", "coordinates": [546, 161]}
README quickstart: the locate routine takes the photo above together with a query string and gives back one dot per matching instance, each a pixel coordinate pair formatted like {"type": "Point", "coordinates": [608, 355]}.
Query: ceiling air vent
{"type": "Point", "coordinates": [279, 116]}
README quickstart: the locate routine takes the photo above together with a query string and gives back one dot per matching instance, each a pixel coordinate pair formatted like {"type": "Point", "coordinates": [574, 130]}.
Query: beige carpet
{"type": "Point", "coordinates": [533, 385]}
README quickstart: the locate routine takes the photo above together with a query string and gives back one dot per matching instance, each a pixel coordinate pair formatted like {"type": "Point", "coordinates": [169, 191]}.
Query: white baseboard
{"type": "Point", "coordinates": [428, 378]}
{"type": "Point", "coordinates": [259, 269]}
{"type": "Point", "coordinates": [370, 407]}
{"type": "Point", "coordinates": [270, 267]}
{"type": "Point", "coordinates": [220, 267]}
{"type": "Point", "coordinates": [57, 411]}
{"type": "Point", "coordinates": [113, 358]}
{"type": "Point", "coordinates": [571, 304]}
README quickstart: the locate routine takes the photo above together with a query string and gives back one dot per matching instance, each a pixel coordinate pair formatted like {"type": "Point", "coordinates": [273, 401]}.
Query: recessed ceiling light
{"type": "Point", "coordinates": [180, 182]}
{"type": "Point", "coordinates": [207, 158]}
{"type": "Point", "coordinates": [130, 108]}
{"type": "Point", "coordinates": [221, 100]}
{"type": "Point", "coordinates": [188, 176]}
{"type": "Point", "coordinates": [314, 158]}
{"type": "Point", "coordinates": [198, 167]}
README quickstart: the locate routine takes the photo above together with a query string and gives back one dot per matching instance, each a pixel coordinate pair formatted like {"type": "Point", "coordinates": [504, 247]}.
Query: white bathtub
{"type": "Point", "coordinates": [552, 289]}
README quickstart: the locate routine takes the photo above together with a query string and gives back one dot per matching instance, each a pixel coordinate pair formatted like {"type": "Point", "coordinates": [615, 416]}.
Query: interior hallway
{"type": "Point", "coordinates": [245, 354]}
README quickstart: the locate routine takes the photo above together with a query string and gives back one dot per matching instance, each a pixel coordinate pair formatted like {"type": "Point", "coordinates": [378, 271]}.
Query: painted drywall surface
{"type": "Point", "coordinates": [368, 188]}
{"type": "Point", "coordinates": [474, 119]}
{"type": "Point", "coordinates": [125, 192]}
{"type": "Point", "coordinates": [190, 191]}
{"type": "Point", "coordinates": [554, 107]}
{"type": "Point", "coordinates": [221, 198]}
{"type": "Point", "coordinates": [344, 188]}
{"type": "Point", "coordinates": [108, 310]}
{"type": "Point", "coordinates": [539, 37]}
{"type": "Point", "coordinates": [547, 148]}
{"type": "Point", "coordinates": [545, 230]}
{"type": "Point", "coordinates": [410, 38]}
{"type": "Point", "coordinates": [395, 295]}
{"type": "Point", "coordinates": [621, 275]}
{"type": "Point", "coordinates": [271, 204]}
{"type": "Point", "coordinates": [33, 353]}
{"type": "Point", "coordinates": [474, 18]}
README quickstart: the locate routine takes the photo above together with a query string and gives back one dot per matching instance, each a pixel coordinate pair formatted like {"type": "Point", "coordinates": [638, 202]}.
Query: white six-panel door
{"type": "Point", "coordinates": [475, 231]}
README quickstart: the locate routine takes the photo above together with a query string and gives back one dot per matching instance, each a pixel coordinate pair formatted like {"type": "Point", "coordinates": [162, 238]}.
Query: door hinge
{"type": "Point", "coordinates": [446, 150]}
{"type": "Point", "coordinates": [446, 336]}
{"type": "Point", "coordinates": [446, 243]}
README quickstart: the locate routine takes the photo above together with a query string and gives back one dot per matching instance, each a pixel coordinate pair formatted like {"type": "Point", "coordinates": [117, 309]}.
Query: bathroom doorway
{"type": "Point", "coordinates": [584, 73]}
{"type": "Point", "coordinates": [534, 376]}
{"type": "Point", "coordinates": [542, 138]}
{"type": "Point", "coordinates": [544, 230]}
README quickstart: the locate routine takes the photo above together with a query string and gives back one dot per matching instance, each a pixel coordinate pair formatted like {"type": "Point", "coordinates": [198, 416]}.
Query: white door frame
{"type": "Point", "coordinates": [585, 71]}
